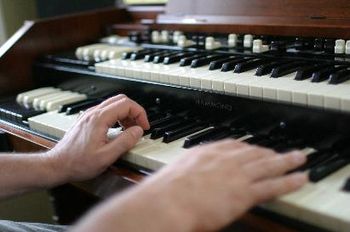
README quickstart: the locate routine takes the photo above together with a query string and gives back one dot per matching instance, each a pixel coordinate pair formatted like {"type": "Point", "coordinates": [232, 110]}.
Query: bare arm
{"type": "Point", "coordinates": [20, 173]}
{"type": "Point", "coordinates": [208, 188]}
{"type": "Point", "coordinates": [83, 153]}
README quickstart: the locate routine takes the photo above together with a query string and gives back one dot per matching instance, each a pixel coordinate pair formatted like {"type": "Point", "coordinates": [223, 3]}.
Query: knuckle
{"type": "Point", "coordinates": [143, 111]}
{"type": "Point", "coordinates": [90, 116]}
{"type": "Point", "coordinates": [121, 96]}
{"type": "Point", "coordinates": [125, 100]}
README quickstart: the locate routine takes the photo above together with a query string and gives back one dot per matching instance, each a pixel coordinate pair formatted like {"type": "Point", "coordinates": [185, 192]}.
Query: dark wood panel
{"type": "Point", "coordinates": [36, 38]}
{"type": "Point", "coordinates": [285, 8]}
{"type": "Point", "coordinates": [26, 137]}
{"type": "Point", "coordinates": [261, 26]}
{"type": "Point", "coordinates": [315, 18]}
{"type": "Point", "coordinates": [140, 13]}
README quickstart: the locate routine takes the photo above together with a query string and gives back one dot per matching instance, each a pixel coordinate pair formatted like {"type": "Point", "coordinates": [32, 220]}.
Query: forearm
{"type": "Point", "coordinates": [21, 173]}
{"type": "Point", "coordinates": [138, 210]}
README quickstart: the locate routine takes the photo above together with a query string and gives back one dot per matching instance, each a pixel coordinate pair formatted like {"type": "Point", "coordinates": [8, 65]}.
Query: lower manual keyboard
{"type": "Point", "coordinates": [322, 204]}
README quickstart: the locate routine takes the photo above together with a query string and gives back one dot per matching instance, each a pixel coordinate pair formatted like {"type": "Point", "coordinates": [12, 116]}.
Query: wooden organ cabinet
{"type": "Point", "coordinates": [275, 73]}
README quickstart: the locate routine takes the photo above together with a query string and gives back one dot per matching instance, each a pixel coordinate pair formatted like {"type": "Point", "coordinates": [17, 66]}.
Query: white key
{"type": "Point", "coordinates": [28, 98]}
{"type": "Point", "coordinates": [283, 89]}
{"type": "Point", "coordinates": [87, 52]}
{"type": "Point", "coordinates": [54, 105]}
{"type": "Point", "coordinates": [42, 105]}
{"type": "Point", "coordinates": [20, 97]}
{"type": "Point", "coordinates": [39, 99]}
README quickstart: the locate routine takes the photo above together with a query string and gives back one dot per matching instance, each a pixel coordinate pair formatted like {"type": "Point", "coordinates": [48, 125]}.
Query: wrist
{"type": "Point", "coordinates": [54, 170]}
{"type": "Point", "coordinates": [167, 212]}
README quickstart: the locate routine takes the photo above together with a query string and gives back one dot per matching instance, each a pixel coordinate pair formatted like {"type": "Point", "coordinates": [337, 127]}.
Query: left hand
{"type": "Point", "coordinates": [85, 151]}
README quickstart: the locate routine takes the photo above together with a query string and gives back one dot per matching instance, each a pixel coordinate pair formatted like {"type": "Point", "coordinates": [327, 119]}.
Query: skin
{"type": "Point", "coordinates": [207, 188]}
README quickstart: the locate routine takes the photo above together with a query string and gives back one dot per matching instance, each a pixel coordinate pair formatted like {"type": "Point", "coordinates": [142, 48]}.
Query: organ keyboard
{"type": "Point", "coordinates": [282, 91]}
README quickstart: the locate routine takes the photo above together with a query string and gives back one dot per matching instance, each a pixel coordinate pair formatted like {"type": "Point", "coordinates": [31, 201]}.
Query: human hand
{"type": "Point", "coordinates": [85, 151]}
{"type": "Point", "coordinates": [212, 185]}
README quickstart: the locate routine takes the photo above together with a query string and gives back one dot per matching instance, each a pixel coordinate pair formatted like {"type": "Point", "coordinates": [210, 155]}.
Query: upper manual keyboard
{"type": "Point", "coordinates": [321, 84]}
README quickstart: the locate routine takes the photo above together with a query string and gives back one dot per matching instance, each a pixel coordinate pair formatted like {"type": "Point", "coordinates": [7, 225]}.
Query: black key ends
{"type": "Point", "coordinates": [346, 187]}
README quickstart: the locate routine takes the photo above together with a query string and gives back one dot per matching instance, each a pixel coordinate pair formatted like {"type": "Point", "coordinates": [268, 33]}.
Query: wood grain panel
{"type": "Point", "coordinates": [275, 8]}
{"type": "Point", "coordinates": [41, 37]}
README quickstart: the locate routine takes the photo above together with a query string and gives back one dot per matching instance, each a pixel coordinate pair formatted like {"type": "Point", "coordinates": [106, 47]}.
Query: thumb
{"type": "Point", "coordinates": [124, 142]}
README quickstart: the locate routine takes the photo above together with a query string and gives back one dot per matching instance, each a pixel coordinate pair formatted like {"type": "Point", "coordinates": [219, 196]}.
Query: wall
{"type": "Point", "coordinates": [12, 15]}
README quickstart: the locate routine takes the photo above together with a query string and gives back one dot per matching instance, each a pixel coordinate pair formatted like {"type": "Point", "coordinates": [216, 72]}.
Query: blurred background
{"type": "Point", "coordinates": [14, 12]}
{"type": "Point", "coordinates": [36, 207]}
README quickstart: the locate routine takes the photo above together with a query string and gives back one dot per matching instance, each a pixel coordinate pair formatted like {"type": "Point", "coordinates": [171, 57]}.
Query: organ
{"type": "Point", "coordinates": [272, 73]}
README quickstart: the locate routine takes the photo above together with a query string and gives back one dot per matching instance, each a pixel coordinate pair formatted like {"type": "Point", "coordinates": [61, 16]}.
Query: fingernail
{"type": "Point", "coordinates": [136, 131]}
{"type": "Point", "coordinates": [298, 157]}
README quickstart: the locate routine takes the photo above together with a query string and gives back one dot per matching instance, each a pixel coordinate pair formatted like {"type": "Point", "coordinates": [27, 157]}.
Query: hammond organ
{"type": "Point", "coordinates": [272, 73]}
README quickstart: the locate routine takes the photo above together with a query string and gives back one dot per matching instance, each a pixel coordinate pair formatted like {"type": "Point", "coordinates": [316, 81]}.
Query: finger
{"type": "Point", "coordinates": [124, 109]}
{"type": "Point", "coordinates": [127, 123]}
{"type": "Point", "coordinates": [226, 145]}
{"type": "Point", "coordinates": [122, 143]}
{"type": "Point", "coordinates": [111, 100]}
{"type": "Point", "coordinates": [274, 165]}
{"type": "Point", "coordinates": [82, 113]}
{"type": "Point", "coordinates": [271, 188]}
{"type": "Point", "coordinates": [249, 154]}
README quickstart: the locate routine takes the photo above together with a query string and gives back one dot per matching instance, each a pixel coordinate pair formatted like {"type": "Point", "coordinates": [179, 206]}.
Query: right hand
{"type": "Point", "coordinates": [215, 184]}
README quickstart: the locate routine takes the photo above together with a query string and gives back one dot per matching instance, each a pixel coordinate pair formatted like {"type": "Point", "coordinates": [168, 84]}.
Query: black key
{"type": "Point", "coordinates": [155, 115]}
{"type": "Point", "coordinates": [307, 71]}
{"type": "Point", "coordinates": [319, 172]}
{"type": "Point", "coordinates": [205, 60]}
{"type": "Point", "coordinates": [188, 60]}
{"type": "Point", "coordinates": [176, 58]}
{"type": "Point", "coordinates": [127, 55]}
{"type": "Point", "coordinates": [178, 133]}
{"type": "Point", "coordinates": [141, 54]}
{"type": "Point", "coordinates": [160, 58]}
{"type": "Point", "coordinates": [286, 69]}
{"type": "Point", "coordinates": [64, 108]}
{"type": "Point", "coordinates": [278, 46]}
{"type": "Point", "coordinates": [256, 139]}
{"type": "Point", "coordinates": [328, 45]}
{"type": "Point", "coordinates": [314, 159]}
{"type": "Point", "coordinates": [150, 57]}
{"type": "Point", "coordinates": [82, 106]}
{"type": "Point", "coordinates": [267, 68]}
{"type": "Point", "coordinates": [340, 76]}
{"type": "Point", "coordinates": [346, 187]}
{"type": "Point", "coordinates": [325, 73]}
{"type": "Point", "coordinates": [229, 66]}
{"type": "Point", "coordinates": [238, 134]}
{"type": "Point", "coordinates": [162, 122]}
{"type": "Point", "coordinates": [225, 133]}
{"type": "Point", "coordinates": [202, 136]}
{"type": "Point", "coordinates": [289, 145]}
{"type": "Point", "coordinates": [250, 64]}
{"type": "Point", "coordinates": [318, 44]}
{"type": "Point", "coordinates": [217, 64]}
{"type": "Point", "coordinates": [160, 131]}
